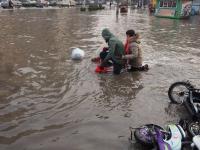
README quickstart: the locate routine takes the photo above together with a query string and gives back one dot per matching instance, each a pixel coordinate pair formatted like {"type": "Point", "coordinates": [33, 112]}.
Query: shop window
{"type": "Point", "coordinates": [161, 3]}
{"type": "Point", "coordinates": [174, 4]}
{"type": "Point", "coordinates": [170, 4]}
{"type": "Point", "coordinates": [165, 4]}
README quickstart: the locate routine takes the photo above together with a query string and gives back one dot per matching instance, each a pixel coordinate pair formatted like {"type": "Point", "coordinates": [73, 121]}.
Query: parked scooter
{"type": "Point", "coordinates": [154, 136]}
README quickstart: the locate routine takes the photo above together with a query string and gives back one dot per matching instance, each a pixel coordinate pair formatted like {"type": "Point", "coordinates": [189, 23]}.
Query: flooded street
{"type": "Point", "coordinates": [49, 102]}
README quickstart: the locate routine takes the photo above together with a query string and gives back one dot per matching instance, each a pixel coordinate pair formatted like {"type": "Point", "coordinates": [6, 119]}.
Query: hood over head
{"type": "Point", "coordinates": [106, 34]}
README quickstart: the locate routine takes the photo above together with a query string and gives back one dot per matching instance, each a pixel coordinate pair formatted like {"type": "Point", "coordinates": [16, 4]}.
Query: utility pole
{"type": "Point", "coordinates": [83, 3]}
{"type": "Point", "coordinates": [142, 3]}
{"type": "Point", "coordinates": [117, 9]}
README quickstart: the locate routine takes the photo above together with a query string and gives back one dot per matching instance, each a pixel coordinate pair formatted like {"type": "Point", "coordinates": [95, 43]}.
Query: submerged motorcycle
{"type": "Point", "coordinates": [185, 93]}
{"type": "Point", "coordinates": [155, 137]}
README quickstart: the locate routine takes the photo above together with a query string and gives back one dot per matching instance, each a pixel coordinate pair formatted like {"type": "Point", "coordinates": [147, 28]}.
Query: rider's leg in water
{"type": "Point", "coordinates": [142, 68]}
{"type": "Point", "coordinates": [117, 68]}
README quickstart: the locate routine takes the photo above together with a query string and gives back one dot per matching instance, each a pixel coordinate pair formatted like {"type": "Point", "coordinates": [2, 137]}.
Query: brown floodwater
{"type": "Point", "coordinates": [49, 102]}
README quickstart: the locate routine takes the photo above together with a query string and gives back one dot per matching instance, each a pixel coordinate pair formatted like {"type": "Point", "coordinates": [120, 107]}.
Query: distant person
{"type": "Point", "coordinates": [133, 52]}
{"type": "Point", "coordinates": [114, 52]}
{"type": "Point", "coordinates": [10, 3]}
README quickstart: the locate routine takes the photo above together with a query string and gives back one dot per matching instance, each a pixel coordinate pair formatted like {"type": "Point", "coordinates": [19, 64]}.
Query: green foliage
{"type": "Point", "coordinates": [92, 7]}
{"type": "Point", "coordinates": [83, 9]}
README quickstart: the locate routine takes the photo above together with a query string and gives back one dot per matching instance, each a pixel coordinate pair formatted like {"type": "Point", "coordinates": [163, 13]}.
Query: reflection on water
{"type": "Point", "coordinates": [118, 91]}
{"type": "Point", "coordinates": [48, 101]}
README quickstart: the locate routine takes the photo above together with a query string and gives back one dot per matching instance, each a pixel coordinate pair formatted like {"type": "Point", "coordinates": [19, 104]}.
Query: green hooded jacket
{"type": "Point", "coordinates": [116, 47]}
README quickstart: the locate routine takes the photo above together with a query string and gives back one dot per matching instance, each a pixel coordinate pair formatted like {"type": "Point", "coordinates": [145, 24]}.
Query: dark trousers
{"type": "Point", "coordinates": [116, 66]}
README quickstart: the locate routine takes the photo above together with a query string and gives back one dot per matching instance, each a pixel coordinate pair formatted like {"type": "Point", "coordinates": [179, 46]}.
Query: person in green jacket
{"type": "Point", "coordinates": [115, 51]}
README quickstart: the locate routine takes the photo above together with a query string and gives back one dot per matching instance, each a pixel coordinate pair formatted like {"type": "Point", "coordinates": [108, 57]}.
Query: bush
{"type": "Point", "coordinates": [83, 9]}
{"type": "Point", "coordinates": [92, 7]}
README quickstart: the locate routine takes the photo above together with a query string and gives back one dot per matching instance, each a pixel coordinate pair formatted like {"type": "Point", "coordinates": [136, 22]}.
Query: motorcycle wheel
{"type": "Point", "coordinates": [193, 128]}
{"type": "Point", "coordinates": [144, 136]}
{"type": "Point", "coordinates": [178, 90]}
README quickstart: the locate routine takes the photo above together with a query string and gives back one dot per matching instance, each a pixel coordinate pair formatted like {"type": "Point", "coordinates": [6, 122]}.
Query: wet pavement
{"type": "Point", "coordinates": [48, 101]}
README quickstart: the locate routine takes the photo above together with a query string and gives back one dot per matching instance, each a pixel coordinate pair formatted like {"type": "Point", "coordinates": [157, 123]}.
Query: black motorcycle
{"type": "Point", "coordinates": [185, 93]}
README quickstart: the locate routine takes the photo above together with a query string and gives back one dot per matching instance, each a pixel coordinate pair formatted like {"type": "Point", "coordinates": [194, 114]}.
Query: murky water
{"type": "Point", "coordinates": [48, 101]}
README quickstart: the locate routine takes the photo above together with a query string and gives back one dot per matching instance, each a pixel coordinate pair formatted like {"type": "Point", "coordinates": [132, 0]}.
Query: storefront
{"type": "Point", "coordinates": [176, 9]}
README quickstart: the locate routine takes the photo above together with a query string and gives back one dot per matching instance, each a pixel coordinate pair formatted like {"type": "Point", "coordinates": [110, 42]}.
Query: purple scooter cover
{"type": "Point", "coordinates": [161, 143]}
